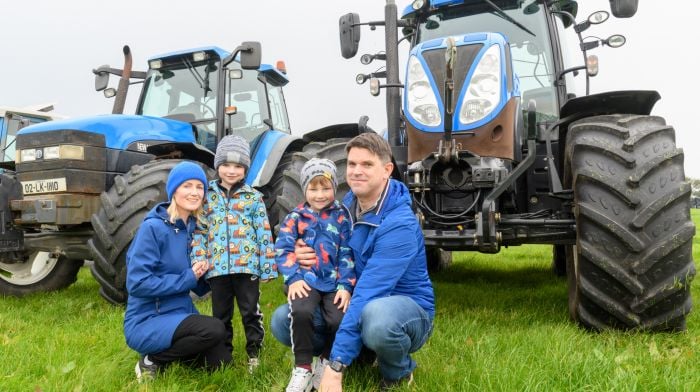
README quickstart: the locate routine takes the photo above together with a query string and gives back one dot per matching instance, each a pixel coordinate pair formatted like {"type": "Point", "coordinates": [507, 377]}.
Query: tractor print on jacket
{"type": "Point", "coordinates": [328, 233]}
{"type": "Point", "coordinates": [235, 237]}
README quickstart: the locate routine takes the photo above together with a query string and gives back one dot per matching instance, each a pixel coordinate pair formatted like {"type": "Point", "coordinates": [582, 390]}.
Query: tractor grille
{"type": "Point", "coordinates": [435, 59]}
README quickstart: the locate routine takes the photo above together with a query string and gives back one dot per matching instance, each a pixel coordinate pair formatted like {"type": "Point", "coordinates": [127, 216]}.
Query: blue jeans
{"type": "Point", "coordinates": [393, 327]}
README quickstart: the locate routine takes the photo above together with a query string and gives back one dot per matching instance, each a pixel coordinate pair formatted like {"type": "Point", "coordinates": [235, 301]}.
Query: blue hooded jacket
{"type": "Point", "coordinates": [389, 252]}
{"type": "Point", "coordinates": [159, 279]}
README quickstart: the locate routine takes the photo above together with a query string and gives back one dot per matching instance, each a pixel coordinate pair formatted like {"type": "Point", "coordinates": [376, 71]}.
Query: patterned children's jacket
{"type": "Point", "coordinates": [328, 233]}
{"type": "Point", "coordinates": [237, 237]}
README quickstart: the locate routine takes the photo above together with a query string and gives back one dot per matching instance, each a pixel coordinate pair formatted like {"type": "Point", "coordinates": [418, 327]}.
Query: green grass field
{"type": "Point", "coordinates": [501, 325]}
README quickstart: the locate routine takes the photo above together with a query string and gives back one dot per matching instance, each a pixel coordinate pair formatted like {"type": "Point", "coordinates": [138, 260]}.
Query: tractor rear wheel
{"type": "Point", "coordinates": [274, 188]}
{"type": "Point", "coordinates": [632, 264]}
{"type": "Point", "coordinates": [36, 272]}
{"type": "Point", "coordinates": [291, 194]}
{"type": "Point", "coordinates": [123, 208]}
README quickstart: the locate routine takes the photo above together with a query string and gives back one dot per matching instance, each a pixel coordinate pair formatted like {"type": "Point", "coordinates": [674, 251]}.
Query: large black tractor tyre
{"type": "Point", "coordinates": [33, 272]}
{"type": "Point", "coordinates": [274, 188]}
{"type": "Point", "coordinates": [632, 265]}
{"type": "Point", "coordinates": [123, 208]}
{"type": "Point", "coordinates": [291, 194]}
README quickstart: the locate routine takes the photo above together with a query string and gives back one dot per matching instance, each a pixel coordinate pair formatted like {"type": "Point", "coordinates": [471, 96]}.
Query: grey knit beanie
{"type": "Point", "coordinates": [232, 149]}
{"type": "Point", "coordinates": [318, 167]}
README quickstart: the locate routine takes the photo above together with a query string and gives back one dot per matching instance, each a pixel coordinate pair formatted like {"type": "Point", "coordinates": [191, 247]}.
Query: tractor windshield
{"type": "Point", "coordinates": [183, 90]}
{"type": "Point", "coordinates": [528, 38]}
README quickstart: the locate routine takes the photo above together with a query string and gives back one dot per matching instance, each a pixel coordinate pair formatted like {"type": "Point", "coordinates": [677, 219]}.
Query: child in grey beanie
{"type": "Point", "coordinates": [232, 149]}
{"type": "Point", "coordinates": [319, 167]}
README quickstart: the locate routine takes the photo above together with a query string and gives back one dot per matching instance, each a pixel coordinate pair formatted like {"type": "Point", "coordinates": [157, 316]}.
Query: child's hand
{"type": "Point", "coordinates": [342, 298]}
{"type": "Point", "coordinates": [200, 268]}
{"type": "Point", "coordinates": [298, 289]}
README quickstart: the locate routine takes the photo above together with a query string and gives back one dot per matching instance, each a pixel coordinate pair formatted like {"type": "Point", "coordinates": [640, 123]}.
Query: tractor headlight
{"type": "Point", "coordinates": [484, 90]}
{"type": "Point", "coordinates": [64, 151]}
{"type": "Point", "coordinates": [27, 155]}
{"type": "Point", "coordinates": [420, 97]}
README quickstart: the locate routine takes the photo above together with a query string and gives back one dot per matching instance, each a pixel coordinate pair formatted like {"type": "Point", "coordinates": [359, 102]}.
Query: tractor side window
{"type": "Point", "coordinates": [278, 109]}
{"type": "Point", "coordinates": [248, 96]}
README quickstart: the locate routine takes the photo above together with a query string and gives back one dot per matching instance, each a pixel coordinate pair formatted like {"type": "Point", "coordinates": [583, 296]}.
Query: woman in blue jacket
{"type": "Point", "coordinates": [161, 322]}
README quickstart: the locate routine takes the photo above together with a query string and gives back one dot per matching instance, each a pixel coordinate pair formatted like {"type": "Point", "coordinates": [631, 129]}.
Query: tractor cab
{"type": "Point", "coordinates": [186, 86]}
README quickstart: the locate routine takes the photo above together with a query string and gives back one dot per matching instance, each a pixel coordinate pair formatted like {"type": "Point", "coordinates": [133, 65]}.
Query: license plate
{"type": "Point", "coordinates": [44, 186]}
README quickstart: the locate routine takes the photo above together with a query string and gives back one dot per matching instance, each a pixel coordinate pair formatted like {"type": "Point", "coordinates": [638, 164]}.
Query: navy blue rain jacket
{"type": "Point", "coordinates": [159, 279]}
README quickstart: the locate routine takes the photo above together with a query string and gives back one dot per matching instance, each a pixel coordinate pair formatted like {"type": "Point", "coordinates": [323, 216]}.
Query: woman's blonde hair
{"type": "Point", "coordinates": [174, 216]}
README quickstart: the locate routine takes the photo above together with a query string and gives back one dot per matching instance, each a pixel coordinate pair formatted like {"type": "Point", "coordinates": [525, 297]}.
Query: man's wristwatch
{"type": "Point", "coordinates": [337, 366]}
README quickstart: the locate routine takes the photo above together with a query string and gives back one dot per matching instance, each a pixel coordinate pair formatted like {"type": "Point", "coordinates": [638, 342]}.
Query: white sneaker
{"type": "Point", "coordinates": [300, 381]}
{"type": "Point", "coordinates": [319, 367]}
{"type": "Point", "coordinates": [253, 364]}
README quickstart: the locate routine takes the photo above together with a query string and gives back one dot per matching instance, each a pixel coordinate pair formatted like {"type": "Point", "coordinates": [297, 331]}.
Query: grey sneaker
{"type": "Point", "coordinates": [145, 370]}
{"type": "Point", "coordinates": [387, 385]}
{"type": "Point", "coordinates": [300, 381]}
{"type": "Point", "coordinates": [253, 364]}
{"type": "Point", "coordinates": [318, 369]}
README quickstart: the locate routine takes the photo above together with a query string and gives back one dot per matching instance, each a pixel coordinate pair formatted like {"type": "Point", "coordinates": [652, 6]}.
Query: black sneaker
{"type": "Point", "coordinates": [145, 372]}
{"type": "Point", "coordinates": [387, 385]}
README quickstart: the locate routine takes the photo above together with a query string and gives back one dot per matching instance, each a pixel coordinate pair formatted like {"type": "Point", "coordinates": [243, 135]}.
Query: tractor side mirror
{"type": "Point", "coordinates": [349, 34]}
{"type": "Point", "coordinates": [251, 53]}
{"type": "Point", "coordinates": [101, 78]}
{"type": "Point", "coordinates": [624, 8]}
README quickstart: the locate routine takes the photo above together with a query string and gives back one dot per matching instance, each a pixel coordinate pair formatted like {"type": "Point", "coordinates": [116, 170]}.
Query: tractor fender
{"type": "Point", "coordinates": [274, 144]}
{"type": "Point", "coordinates": [347, 130]}
{"type": "Point", "coordinates": [612, 102]}
{"type": "Point", "coordinates": [268, 153]}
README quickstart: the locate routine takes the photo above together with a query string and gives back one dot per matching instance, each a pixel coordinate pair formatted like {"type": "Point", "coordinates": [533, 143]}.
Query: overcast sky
{"type": "Point", "coordinates": [49, 48]}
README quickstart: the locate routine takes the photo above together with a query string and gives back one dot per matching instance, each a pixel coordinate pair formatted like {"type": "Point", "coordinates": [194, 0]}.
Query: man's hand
{"type": "Point", "coordinates": [331, 381]}
{"type": "Point", "coordinates": [298, 289]}
{"type": "Point", "coordinates": [342, 299]}
{"type": "Point", "coordinates": [306, 257]}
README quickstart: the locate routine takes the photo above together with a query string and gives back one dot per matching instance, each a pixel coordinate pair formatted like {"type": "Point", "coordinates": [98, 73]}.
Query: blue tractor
{"type": "Point", "coordinates": [81, 187]}
{"type": "Point", "coordinates": [488, 134]}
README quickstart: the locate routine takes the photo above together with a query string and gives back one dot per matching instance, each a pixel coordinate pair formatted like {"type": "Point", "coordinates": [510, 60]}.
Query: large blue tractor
{"type": "Point", "coordinates": [82, 186]}
{"type": "Point", "coordinates": [498, 150]}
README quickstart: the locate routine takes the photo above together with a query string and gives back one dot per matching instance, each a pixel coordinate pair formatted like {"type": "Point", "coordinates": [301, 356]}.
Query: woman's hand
{"type": "Point", "coordinates": [342, 299]}
{"type": "Point", "coordinates": [298, 289]}
{"type": "Point", "coordinates": [200, 268]}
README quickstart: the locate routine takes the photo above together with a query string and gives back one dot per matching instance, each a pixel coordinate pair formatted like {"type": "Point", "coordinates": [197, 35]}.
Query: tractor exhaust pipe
{"type": "Point", "coordinates": [123, 87]}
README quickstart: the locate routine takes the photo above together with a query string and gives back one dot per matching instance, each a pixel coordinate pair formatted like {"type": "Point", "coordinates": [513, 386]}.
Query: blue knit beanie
{"type": "Point", "coordinates": [182, 172]}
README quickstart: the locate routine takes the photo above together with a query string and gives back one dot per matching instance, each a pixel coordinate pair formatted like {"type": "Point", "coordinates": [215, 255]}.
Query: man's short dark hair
{"type": "Point", "coordinates": [372, 142]}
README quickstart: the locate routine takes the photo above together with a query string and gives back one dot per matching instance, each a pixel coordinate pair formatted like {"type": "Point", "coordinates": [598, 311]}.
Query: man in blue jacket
{"type": "Point", "coordinates": [392, 308]}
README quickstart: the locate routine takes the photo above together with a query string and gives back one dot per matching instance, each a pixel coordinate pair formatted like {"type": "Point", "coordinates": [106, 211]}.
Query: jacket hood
{"type": "Point", "coordinates": [160, 211]}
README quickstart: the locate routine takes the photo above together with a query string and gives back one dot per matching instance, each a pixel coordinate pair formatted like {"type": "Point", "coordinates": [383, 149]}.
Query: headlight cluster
{"type": "Point", "coordinates": [422, 103]}
{"type": "Point", "coordinates": [484, 91]}
{"type": "Point", "coordinates": [64, 151]}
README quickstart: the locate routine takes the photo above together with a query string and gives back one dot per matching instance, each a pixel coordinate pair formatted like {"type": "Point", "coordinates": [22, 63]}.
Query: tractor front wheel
{"type": "Point", "coordinates": [632, 264]}
{"type": "Point", "coordinates": [36, 272]}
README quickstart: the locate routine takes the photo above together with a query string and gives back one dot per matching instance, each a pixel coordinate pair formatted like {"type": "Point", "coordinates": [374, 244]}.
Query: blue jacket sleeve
{"type": "Point", "coordinates": [261, 225]}
{"type": "Point", "coordinates": [346, 265]}
{"type": "Point", "coordinates": [284, 250]}
{"type": "Point", "coordinates": [393, 252]}
{"type": "Point", "coordinates": [142, 279]}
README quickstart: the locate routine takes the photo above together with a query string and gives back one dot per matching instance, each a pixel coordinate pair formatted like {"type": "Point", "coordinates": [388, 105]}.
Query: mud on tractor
{"type": "Point", "coordinates": [497, 150]}
{"type": "Point", "coordinates": [81, 187]}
